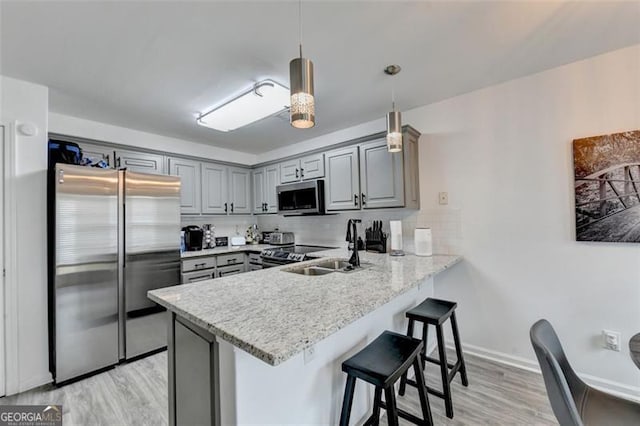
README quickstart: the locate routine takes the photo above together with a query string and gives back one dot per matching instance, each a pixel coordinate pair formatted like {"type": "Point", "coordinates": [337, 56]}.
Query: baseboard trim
{"type": "Point", "coordinates": [619, 389]}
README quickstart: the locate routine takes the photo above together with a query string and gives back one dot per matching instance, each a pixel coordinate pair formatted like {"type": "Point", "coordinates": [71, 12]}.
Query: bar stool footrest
{"type": "Point", "coordinates": [437, 361]}
{"type": "Point", "coordinates": [407, 416]}
{"type": "Point", "coordinates": [431, 390]}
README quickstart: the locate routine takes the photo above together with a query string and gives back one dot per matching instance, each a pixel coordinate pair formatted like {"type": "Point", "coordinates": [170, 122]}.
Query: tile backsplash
{"type": "Point", "coordinates": [330, 229]}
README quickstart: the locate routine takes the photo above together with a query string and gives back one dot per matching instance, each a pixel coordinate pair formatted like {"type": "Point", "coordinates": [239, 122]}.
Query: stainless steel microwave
{"type": "Point", "coordinates": [303, 198]}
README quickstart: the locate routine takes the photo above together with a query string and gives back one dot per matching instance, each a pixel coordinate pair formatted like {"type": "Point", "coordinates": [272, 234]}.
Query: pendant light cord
{"type": "Point", "coordinates": [393, 95]}
{"type": "Point", "coordinates": [300, 24]}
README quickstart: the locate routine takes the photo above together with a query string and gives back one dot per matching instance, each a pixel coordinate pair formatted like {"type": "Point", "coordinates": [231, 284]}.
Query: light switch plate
{"type": "Point", "coordinates": [443, 198]}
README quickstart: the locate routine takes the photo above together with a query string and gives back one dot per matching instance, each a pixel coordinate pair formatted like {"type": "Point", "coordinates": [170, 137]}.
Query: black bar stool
{"type": "Point", "coordinates": [436, 312]}
{"type": "Point", "coordinates": [382, 363]}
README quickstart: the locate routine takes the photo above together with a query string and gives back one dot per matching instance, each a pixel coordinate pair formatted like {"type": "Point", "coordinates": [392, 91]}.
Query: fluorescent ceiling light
{"type": "Point", "coordinates": [262, 100]}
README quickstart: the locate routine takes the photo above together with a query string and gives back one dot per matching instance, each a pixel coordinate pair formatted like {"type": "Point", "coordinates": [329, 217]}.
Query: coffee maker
{"type": "Point", "coordinates": [193, 238]}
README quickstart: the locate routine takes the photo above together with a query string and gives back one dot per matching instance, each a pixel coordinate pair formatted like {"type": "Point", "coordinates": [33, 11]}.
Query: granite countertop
{"type": "Point", "coordinates": [226, 249]}
{"type": "Point", "coordinates": [273, 314]}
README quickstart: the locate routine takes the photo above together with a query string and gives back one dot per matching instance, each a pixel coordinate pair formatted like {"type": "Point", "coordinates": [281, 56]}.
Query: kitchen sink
{"type": "Point", "coordinates": [328, 266]}
{"type": "Point", "coordinates": [310, 270]}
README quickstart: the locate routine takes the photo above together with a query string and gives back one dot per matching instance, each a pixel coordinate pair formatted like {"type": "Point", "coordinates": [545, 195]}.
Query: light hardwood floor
{"type": "Point", "coordinates": [136, 394]}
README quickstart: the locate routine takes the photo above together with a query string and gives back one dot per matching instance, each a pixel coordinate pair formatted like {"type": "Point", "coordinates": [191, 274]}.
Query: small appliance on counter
{"type": "Point", "coordinates": [221, 241]}
{"type": "Point", "coordinates": [376, 239]}
{"type": "Point", "coordinates": [193, 238]}
{"type": "Point", "coordinates": [280, 238]}
{"type": "Point", "coordinates": [238, 240]}
{"type": "Point", "coordinates": [209, 232]}
{"type": "Point", "coordinates": [423, 241]}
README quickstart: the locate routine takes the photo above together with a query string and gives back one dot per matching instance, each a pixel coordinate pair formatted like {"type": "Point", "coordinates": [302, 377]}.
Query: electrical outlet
{"type": "Point", "coordinates": [443, 198]}
{"type": "Point", "coordinates": [309, 354]}
{"type": "Point", "coordinates": [611, 340]}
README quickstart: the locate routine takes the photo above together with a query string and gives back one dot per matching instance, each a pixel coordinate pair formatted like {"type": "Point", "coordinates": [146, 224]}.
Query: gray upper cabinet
{"type": "Point", "coordinates": [214, 189]}
{"type": "Point", "coordinates": [410, 150]}
{"type": "Point", "coordinates": [96, 153]}
{"type": "Point", "coordinates": [381, 176]}
{"type": "Point", "coordinates": [342, 187]}
{"type": "Point", "coordinates": [290, 171]}
{"type": "Point", "coordinates": [265, 181]}
{"type": "Point", "coordinates": [305, 168]}
{"type": "Point", "coordinates": [271, 178]}
{"type": "Point", "coordinates": [312, 166]}
{"type": "Point", "coordinates": [259, 203]}
{"type": "Point", "coordinates": [190, 192]}
{"type": "Point", "coordinates": [239, 190]}
{"type": "Point", "coordinates": [142, 162]}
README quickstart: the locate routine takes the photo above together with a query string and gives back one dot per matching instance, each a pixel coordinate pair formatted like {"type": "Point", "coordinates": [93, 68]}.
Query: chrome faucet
{"type": "Point", "coordinates": [352, 238]}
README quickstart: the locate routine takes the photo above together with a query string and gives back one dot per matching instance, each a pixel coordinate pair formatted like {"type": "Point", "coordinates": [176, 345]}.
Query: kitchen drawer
{"type": "Point", "coordinates": [225, 271]}
{"type": "Point", "coordinates": [255, 258]}
{"type": "Point", "coordinates": [192, 277]}
{"type": "Point", "coordinates": [198, 263]}
{"type": "Point", "coordinates": [255, 267]}
{"type": "Point", "coordinates": [230, 259]}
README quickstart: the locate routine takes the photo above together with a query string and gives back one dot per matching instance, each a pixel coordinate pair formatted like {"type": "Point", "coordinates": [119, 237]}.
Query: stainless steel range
{"type": "Point", "coordinates": [289, 254]}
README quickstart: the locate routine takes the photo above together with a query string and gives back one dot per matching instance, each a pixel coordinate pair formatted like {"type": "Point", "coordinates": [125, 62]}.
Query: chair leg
{"type": "Point", "coordinates": [403, 379]}
{"type": "Point", "coordinates": [444, 372]}
{"type": "Point", "coordinates": [392, 409]}
{"type": "Point", "coordinates": [348, 400]}
{"type": "Point", "coordinates": [422, 392]}
{"type": "Point", "coordinates": [456, 338]}
{"type": "Point", "coordinates": [425, 336]}
{"type": "Point", "coordinates": [377, 399]}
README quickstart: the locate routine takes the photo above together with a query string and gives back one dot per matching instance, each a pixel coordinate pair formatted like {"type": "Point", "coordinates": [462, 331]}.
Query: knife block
{"type": "Point", "coordinates": [376, 245]}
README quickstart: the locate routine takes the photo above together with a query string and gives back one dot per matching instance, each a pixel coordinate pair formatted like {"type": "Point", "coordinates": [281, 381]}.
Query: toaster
{"type": "Point", "coordinates": [281, 238]}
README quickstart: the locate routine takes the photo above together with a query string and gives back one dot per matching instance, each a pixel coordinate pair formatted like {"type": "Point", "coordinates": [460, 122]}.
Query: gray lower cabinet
{"type": "Point", "coordinates": [97, 153]}
{"type": "Point", "coordinates": [142, 162]}
{"type": "Point", "coordinates": [190, 181]}
{"type": "Point", "coordinates": [239, 190]}
{"type": "Point", "coordinates": [342, 186]}
{"type": "Point", "coordinates": [381, 176]}
{"type": "Point", "coordinates": [194, 393]}
{"type": "Point", "coordinates": [215, 189]}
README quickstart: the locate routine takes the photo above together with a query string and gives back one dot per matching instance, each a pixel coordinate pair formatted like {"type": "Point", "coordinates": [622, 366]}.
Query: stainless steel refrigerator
{"type": "Point", "coordinates": [116, 235]}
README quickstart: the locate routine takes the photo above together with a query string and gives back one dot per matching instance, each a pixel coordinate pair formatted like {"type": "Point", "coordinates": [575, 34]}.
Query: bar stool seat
{"type": "Point", "coordinates": [382, 363]}
{"type": "Point", "coordinates": [432, 311]}
{"type": "Point", "coordinates": [435, 312]}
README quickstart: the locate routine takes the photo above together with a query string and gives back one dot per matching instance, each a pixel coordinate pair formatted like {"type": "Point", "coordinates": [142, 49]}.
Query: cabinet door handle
{"type": "Point", "coordinates": [297, 173]}
{"type": "Point", "coordinates": [301, 172]}
{"type": "Point", "coordinates": [355, 199]}
{"type": "Point", "coordinates": [225, 207]}
{"type": "Point", "coordinates": [199, 265]}
{"type": "Point", "coordinates": [118, 162]}
{"type": "Point", "coordinates": [364, 199]}
{"type": "Point", "coordinates": [264, 207]}
{"type": "Point", "coordinates": [231, 207]}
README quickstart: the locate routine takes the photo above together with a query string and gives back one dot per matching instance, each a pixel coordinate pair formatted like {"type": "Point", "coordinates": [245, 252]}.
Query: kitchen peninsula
{"type": "Point", "coordinates": [267, 346]}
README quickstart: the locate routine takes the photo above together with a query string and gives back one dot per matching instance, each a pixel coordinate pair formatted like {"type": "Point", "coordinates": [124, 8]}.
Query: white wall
{"type": "Point", "coordinates": [504, 155]}
{"type": "Point", "coordinates": [24, 102]}
{"type": "Point", "coordinates": [73, 126]}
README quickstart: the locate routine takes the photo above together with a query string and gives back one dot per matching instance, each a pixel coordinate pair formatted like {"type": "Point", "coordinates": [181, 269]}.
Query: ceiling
{"type": "Point", "coordinates": [154, 66]}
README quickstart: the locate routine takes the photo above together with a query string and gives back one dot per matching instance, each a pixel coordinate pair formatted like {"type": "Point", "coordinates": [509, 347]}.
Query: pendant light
{"type": "Point", "coordinates": [302, 112]}
{"type": "Point", "coordinates": [394, 119]}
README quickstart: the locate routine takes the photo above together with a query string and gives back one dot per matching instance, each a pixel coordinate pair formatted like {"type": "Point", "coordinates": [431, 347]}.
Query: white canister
{"type": "Point", "coordinates": [423, 242]}
{"type": "Point", "coordinates": [395, 227]}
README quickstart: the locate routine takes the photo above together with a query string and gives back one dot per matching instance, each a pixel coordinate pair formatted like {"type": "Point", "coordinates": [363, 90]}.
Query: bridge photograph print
{"type": "Point", "coordinates": [607, 184]}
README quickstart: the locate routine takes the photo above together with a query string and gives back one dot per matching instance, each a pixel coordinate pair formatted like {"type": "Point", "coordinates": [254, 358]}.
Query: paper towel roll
{"type": "Point", "coordinates": [396, 234]}
{"type": "Point", "coordinates": [423, 242]}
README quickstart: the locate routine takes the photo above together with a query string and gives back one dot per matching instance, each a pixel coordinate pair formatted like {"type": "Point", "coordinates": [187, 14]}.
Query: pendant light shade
{"type": "Point", "coordinates": [394, 118]}
{"type": "Point", "coordinates": [394, 131]}
{"type": "Point", "coordinates": [303, 114]}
